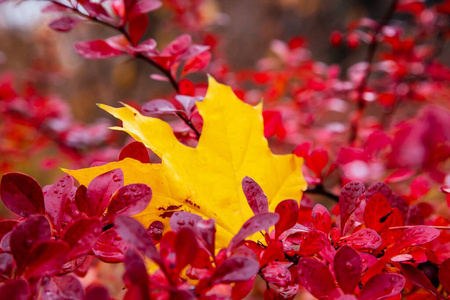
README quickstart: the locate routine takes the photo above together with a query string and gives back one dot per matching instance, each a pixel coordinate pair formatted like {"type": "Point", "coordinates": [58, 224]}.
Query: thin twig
{"type": "Point", "coordinates": [320, 190]}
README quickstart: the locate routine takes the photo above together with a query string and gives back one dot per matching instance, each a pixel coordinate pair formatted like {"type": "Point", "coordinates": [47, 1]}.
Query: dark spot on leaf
{"type": "Point", "coordinates": [383, 219]}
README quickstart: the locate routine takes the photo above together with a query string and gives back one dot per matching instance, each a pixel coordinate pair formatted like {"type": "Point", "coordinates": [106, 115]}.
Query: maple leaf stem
{"type": "Point", "coordinates": [189, 123]}
{"type": "Point", "coordinates": [361, 103]}
{"type": "Point", "coordinates": [320, 190]}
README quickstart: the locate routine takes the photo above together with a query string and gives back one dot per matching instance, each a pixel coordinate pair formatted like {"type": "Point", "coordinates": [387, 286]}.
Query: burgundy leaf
{"type": "Point", "coordinates": [96, 49]}
{"type": "Point", "coordinates": [253, 225]}
{"type": "Point", "coordinates": [364, 239]}
{"type": "Point", "coordinates": [347, 268]}
{"type": "Point", "coordinates": [136, 278]}
{"type": "Point", "coordinates": [415, 236]}
{"type": "Point", "coordinates": [378, 187]}
{"type": "Point", "coordinates": [97, 292]}
{"type": "Point", "coordinates": [137, 25]}
{"type": "Point", "coordinates": [315, 277]}
{"type": "Point", "coordinates": [110, 247]}
{"type": "Point", "coordinates": [158, 107]}
{"type": "Point", "coordinates": [101, 189]}
{"type": "Point", "coordinates": [55, 200]}
{"type": "Point", "coordinates": [255, 196]}
{"type": "Point", "coordinates": [134, 233]}
{"type": "Point", "coordinates": [277, 273]}
{"type": "Point", "coordinates": [312, 242]}
{"type": "Point", "coordinates": [27, 234]}
{"type": "Point", "coordinates": [178, 46]}
{"type": "Point", "coordinates": [186, 239]}
{"type": "Point", "coordinates": [206, 231]}
{"type": "Point", "coordinates": [288, 212]}
{"type": "Point", "coordinates": [63, 287]}
{"type": "Point", "coordinates": [82, 236]}
{"type": "Point", "coordinates": [64, 24]}
{"type": "Point", "coordinates": [321, 219]}
{"type": "Point", "coordinates": [135, 150]}
{"type": "Point", "coordinates": [378, 213]}
{"type": "Point", "coordinates": [75, 265]}
{"type": "Point", "coordinates": [6, 265]}
{"type": "Point", "coordinates": [182, 219]}
{"type": "Point", "coordinates": [21, 194]}
{"type": "Point", "coordinates": [418, 278]}
{"type": "Point", "coordinates": [382, 286]}
{"type": "Point", "coordinates": [156, 230]}
{"type": "Point", "coordinates": [235, 269]}
{"type": "Point", "coordinates": [81, 200]}
{"type": "Point", "coordinates": [242, 289]}
{"type": "Point", "coordinates": [5, 242]}
{"type": "Point", "coordinates": [6, 226]}
{"type": "Point", "coordinates": [129, 200]}
{"type": "Point", "coordinates": [46, 259]}
{"type": "Point", "coordinates": [444, 274]}
{"type": "Point", "coordinates": [16, 289]}
{"type": "Point", "coordinates": [349, 199]}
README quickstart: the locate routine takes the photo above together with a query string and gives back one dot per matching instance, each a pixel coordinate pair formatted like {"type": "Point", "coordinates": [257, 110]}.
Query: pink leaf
{"type": "Point", "coordinates": [158, 107]}
{"type": "Point", "coordinates": [145, 6]}
{"type": "Point", "coordinates": [364, 239]}
{"type": "Point", "coordinates": [63, 287]}
{"type": "Point", "coordinates": [27, 234]}
{"type": "Point", "coordinates": [16, 289]}
{"type": "Point", "coordinates": [418, 278]}
{"type": "Point", "coordinates": [182, 219]}
{"type": "Point", "coordinates": [399, 175]}
{"type": "Point", "coordinates": [56, 198]}
{"type": "Point", "coordinates": [82, 236]}
{"type": "Point", "coordinates": [135, 150]}
{"type": "Point", "coordinates": [288, 212]}
{"type": "Point", "coordinates": [347, 267]}
{"type": "Point", "coordinates": [349, 199]}
{"type": "Point", "coordinates": [110, 247]}
{"type": "Point", "coordinates": [46, 259]}
{"type": "Point", "coordinates": [101, 189]}
{"type": "Point", "coordinates": [21, 194]}
{"type": "Point", "coordinates": [206, 231]}
{"type": "Point", "coordinates": [235, 269]}
{"type": "Point", "coordinates": [196, 63]}
{"type": "Point", "coordinates": [315, 277]}
{"type": "Point", "coordinates": [254, 224]}
{"type": "Point", "coordinates": [129, 200]}
{"type": "Point", "coordinates": [96, 49]}
{"type": "Point", "coordinates": [255, 196]}
{"type": "Point", "coordinates": [6, 265]}
{"type": "Point", "coordinates": [382, 286]}
{"type": "Point", "coordinates": [415, 236]}
{"type": "Point", "coordinates": [277, 273]}
{"type": "Point", "coordinates": [178, 46]}
{"type": "Point", "coordinates": [320, 218]}
{"type": "Point", "coordinates": [64, 24]}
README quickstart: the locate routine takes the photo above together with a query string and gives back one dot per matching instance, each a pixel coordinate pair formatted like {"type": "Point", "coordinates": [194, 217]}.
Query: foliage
{"type": "Point", "coordinates": [218, 210]}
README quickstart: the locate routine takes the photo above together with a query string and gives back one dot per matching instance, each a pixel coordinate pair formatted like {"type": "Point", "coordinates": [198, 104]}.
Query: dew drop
{"type": "Point", "coordinates": [349, 266]}
{"type": "Point", "coordinates": [281, 275]}
{"type": "Point", "coordinates": [191, 222]}
{"type": "Point", "coordinates": [392, 279]}
{"type": "Point", "coordinates": [181, 222]}
{"type": "Point", "coordinates": [116, 178]}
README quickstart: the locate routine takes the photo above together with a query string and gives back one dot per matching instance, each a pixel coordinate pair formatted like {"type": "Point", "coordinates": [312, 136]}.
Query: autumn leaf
{"type": "Point", "coordinates": [206, 180]}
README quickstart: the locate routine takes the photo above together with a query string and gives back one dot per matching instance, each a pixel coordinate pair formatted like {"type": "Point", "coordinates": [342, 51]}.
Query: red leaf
{"type": "Point", "coordinates": [312, 242]}
{"type": "Point", "coordinates": [378, 213]}
{"type": "Point", "coordinates": [82, 235]}
{"type": "Point", "coordinates": [349, 199]}
{"type": "Point", "coordinates": [56, 198]}
{"type": "Point", "coordinates": [178, 46]}
{"type": "Point", "coordinates": [96, 49]}
{"type": "Point", "coordinates": [419, 187]}
{"type": "Point", "coordinates": [321, 219]}
{"type": "Point", "coordinates": [364, 239]}
{"type": "Point", "coordinates": [255, 196]}
{"type": "Point", "coordinates": [129, 200]}
{"type": "Point", "coordinates": [110, 247]}
{"type": "Point", "coordinates": [196, 63]}
{"type": "Point", "coordinates": [444, 274]}
{"type": "Point", "coordinates": [101, 189]}
{"type": "Point", "coordinates": [97, 292]}
{"type": "Point", "coordinates": [156, 230]}
{"type": "Point", "coordinates": [302, 150]}
{"type": "Point", "coordinates": [16, 289]}
{"type": "Point", "coordinates": [277, 273]}
{"type": "Point", "coordinates": [137, 151]}
{"type": "Point", "coordinates": [241, 289]}
{"type": "Point", "coordinates": [6, 226]}
{"type": "Point", "coordinates": [186, 239]}
{"type": "Point", "coordinates": [81, 199]}
{"type": "Point", "coordinates": [381, 286]}
{"type": "Point", "coordinates": [21, 194]}
{"type": "Point", "coordinates": [187, 88]}
{"type": "Point", "coordinates": [399, 175]}
{"type": "Point", "coordinates": [414, 236]}
{"type": "Point", "coordinates": [347, 266]}
{"type": "Point", "coordinates": [315, 277]}
{"type": "Point", "coordinates": [136, 276]}
{"type": "Point", "coordinates": [235, 269]}
{"type": "Point", "coordinates": [206, 231]}
{"type": "Point", "coordinates": [256, 223]}
{"type": "Point", "coordinates": [64, 24]}
{"type": "Point", "coordinates": [27, 234]}
{"type": "Point", "coordinates": [273, 124]}
{"type": "Point", "coordinates": [182, 219]}
{"type": "Point", "coordinates": [418, 278]}
{"type": "Point", "coordinates": [134, 233]}
{"type": "Point", "coordinates": [274, 251]}
{"type": "Point", "coordinates": [288, 212]}
{"type": "Point", "coordinates": [145, 6]}
{"type": "Point", "coordinates": [317, 161]}
{"type": "Point", "coordinates": [137, 25]}
{"type": "Point", "coordinates": [63, 287]}
{"type": "Point", "coordinates": [46, 259]}
{"type": "Point", "coordinates": [158, 107]}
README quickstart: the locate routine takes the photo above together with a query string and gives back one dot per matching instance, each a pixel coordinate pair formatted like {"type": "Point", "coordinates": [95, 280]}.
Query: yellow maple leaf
{"type": "Point", "coordinates": [206, 180]}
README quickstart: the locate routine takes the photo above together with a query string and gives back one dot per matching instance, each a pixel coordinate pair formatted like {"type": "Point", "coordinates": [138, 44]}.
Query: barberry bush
{"type": "Point", "coordinates": [353, 205]}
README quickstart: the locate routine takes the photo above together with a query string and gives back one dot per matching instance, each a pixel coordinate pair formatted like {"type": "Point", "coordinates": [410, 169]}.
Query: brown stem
{"type": "Point", "coordinates": [361, 104]}
{"type": "Point", "coordinates": [320, 190]}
